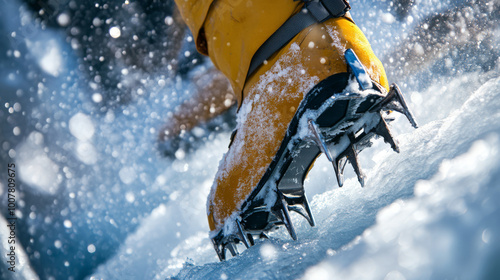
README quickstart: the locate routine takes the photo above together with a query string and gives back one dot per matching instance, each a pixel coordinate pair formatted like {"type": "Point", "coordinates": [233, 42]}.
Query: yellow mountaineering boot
{"type": "Point", "coordinates": [309, 83]}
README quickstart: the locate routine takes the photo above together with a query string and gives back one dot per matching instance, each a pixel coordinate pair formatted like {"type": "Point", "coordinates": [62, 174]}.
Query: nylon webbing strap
{"type": "Point", "coordinates": [315, 11]}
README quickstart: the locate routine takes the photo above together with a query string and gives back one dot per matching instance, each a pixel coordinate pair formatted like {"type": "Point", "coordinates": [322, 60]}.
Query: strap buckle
{"type": "Point", "coordinates": [337, 8]}
{"type": "Point", "coordinates": [325, 9]}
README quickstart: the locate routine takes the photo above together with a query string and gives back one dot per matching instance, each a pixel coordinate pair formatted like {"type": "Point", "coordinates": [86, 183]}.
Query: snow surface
{"type": "Point", "coordinates": [98, 201]}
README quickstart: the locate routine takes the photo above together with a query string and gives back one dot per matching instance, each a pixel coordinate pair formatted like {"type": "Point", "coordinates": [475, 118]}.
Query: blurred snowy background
{"type": "Point", "coordinates": [86, 87]}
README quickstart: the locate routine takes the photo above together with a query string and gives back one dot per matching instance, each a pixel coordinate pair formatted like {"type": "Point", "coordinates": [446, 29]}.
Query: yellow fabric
{"type": "Point", "coordinates": [233, 30]}
{"type": "Point", "coordinates": [272, 96]}
{"type": "Point", "coordinates": [194, 13]}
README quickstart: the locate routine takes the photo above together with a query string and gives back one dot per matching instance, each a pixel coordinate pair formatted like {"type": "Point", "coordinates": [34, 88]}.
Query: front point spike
{"type": "Point", "coordinates": [352, 156]}
{"type": "Point", "coordinates": [402, 102]}
{"type": "Point", "coordinates": [285, 216]}
{"type": "Point", "coordinates": [383, 130]}
{"type": "Point", "coordinates": [242, 236]}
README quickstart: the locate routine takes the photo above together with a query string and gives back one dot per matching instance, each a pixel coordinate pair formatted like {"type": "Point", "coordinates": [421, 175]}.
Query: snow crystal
{"type": "Point", "coordinates": [68, 224]}
{"type": "Point", "coordinates": [127, 175]}
{"type": "Point", "coordinates": [268, 252]}
{"type": "Point", "coordinates": [51, 58]}
{"type": "Point", "coordinates": [81, 127]}
{"type": "Point", "coordinates": [115, 32]}
{"type": "Point", "coordinates": [388, 18]}
{"type": "Point", "coordinates": [86, 152]}
{"type": "Point", "coordinates": [35, 167]}
{"type": "Point", "coordinates": [63, 19]}
{"type": "Point", "coordinates": [17, 107]}
{"type": "Point", "coordinates": [486, 236]}
{"type": "Point", "coordinates": [320, 272]}
{"type": "Point", "coordinates": [97, 22]}
{"type": "Point", "coordinates": [418, 49]}
{"type": "Point", "coordinates": [96, 97]}
{"type": "Point", "coordinates": [129, 196]}
{"type": "Point", "coordinates": [91, 248]}
{"type": "Point", "coordinates": [180, 154]}
{"type": "Point", "coordinates": [169, 20]}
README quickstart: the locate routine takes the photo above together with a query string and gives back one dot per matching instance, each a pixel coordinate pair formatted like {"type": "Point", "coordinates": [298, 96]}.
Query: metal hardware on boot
{"type": "Point", "coordinates": [324, 149]}
{"type": "Point", "coordinates": [219, 250]}
{"type": "Point", "coordinates": [383, 130]}
{"type": "Point", "coordinates": [303, 209]}
{"type": "Point", "coordinates": [352, 157]}
{"type": "Point", "coordinates": [285, 216]}
{"type": "Point", "coordinates": [222, 242]}
{"type": "Point", "coordinates": [340, 163]}
{"type": "Point", "coordinates": [404, 106]}
{"type": "Point", "coordinates": [243, 237]}
{"type": "Point", "coordinates": [232, 249]}
{"type": "Point", "coordinates": [357, 68]}
{"type": "Point", "coordinates": [395, 101]}
{"type": "Point", "coordinates": [319, 139]}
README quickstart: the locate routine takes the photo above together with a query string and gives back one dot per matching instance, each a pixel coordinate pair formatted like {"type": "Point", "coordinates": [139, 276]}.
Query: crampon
{"type": "Point", "coordinates": [337, 118]}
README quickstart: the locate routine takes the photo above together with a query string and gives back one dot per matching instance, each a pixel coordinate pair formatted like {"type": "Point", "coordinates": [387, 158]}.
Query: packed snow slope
{"type": "Point", "coordinates": [97, 200]}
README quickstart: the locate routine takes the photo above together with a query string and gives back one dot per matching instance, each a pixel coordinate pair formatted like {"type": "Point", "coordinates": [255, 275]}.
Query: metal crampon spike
{"type": "Point", "coordinates": [396, 101]}
{"type": "Point", "coordinates": [383, 130]}
{"type": "Point", "coordinates": [304, 210]}
{"type": "Point", "coordinates": [339, 169]}
{"type": "Point", "coordinates": [318, 138]}
{"type": "Point", "coordinates": [220, 251]}
{"type": "Point", "coordinates": [310, 217]}
{"type": "Point", "coordinates": [406, 110]}
{"type": "Point", "coordinates": [250, 239]}
{"type": "Point", "coordinates": [242, 236]}
{"type": "Point", "coordinates": [263, 235]}
{"type": "Point", "coordinates": [285, 217]}
{"type": "Point", "coordinates": [232, 249]}
{"type": "Point", "coordinates": [338, 173]}
{"type": "Point", "coordinates": [352, 157]}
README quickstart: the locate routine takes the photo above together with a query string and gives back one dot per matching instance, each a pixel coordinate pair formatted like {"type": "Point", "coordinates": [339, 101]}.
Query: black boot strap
{"type": "Point", "coordinates": [315, 11]}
